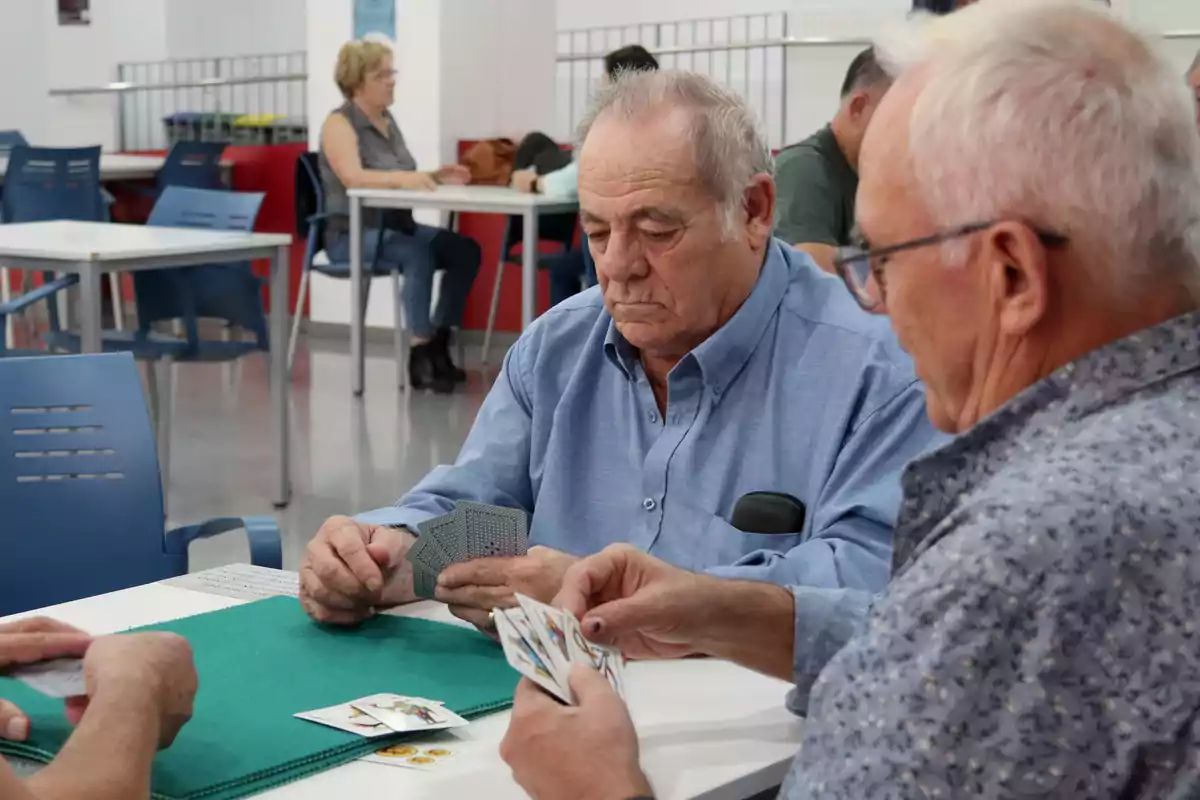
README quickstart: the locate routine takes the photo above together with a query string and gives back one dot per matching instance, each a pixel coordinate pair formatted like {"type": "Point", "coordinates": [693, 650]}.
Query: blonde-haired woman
{"type": "Point", "coordinates": [361, 147]}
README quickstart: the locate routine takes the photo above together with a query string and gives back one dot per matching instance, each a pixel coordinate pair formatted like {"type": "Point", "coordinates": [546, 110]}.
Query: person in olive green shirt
{"type": "Point", "coordinates": [818, 177]}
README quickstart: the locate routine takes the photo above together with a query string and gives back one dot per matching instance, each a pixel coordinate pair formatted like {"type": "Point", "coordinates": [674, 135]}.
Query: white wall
{"type": "Point", "coordinates": [220, 28]}
{"type": "Point", "coordinates": [22, 99]}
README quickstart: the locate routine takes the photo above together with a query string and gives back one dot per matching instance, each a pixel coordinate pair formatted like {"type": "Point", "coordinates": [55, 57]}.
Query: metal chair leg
{"type": "Point", "coordinates": [291, 356]}
{"type": "Point", "coordinates": [5, 296]}
{"type": "Point", "coordinates": [399, 330]}
{"type": "Point", "coordinates": [164, 438]}
{"type": "Point", "coordinates": [114, 285]}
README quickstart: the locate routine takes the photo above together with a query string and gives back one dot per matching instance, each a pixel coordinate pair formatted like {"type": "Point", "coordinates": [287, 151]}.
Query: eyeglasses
{"type": "Point", "coordinates": [861, 267]}
{"type": "Point", "coordinates": [383, 74]}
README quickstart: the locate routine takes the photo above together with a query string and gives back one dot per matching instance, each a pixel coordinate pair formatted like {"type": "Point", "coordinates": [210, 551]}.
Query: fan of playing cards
{"type": "Point", "coordinates": [541, 642]}
{"type": "Point", "coordinates": [470, 531]}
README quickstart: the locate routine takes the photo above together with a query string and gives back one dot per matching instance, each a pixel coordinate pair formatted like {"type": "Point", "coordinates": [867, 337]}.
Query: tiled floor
{"type": "Point", "coordinates": [348, 454]}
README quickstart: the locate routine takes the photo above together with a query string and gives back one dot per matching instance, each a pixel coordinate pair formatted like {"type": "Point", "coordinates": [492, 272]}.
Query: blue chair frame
{"type": "Point", "coordinates": [80, 489]}
{"type": "Point", "coordinates": [192, 164]}
{"type": "Point", "coordinates": [10, 139]}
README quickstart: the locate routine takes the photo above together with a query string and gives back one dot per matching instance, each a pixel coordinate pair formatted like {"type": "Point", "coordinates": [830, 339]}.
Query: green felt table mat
{"type": "Point", "coordinates": [262, 662]}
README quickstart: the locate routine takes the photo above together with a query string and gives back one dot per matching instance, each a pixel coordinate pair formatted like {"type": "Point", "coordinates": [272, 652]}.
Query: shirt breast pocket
{"type": "Point", "coordinates": [725, 545]}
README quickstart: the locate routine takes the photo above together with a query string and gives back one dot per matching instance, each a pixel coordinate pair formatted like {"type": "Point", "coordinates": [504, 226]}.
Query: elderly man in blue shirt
{"type": "Point", "coordinates": [711, 362]}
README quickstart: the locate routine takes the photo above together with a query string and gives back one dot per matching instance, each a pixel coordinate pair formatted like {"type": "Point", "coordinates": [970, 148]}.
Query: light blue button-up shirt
{"type": "Point", "coordinates": [800, 392]}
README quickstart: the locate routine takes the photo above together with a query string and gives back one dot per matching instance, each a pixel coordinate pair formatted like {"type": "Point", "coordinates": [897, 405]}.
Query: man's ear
{"type": "Point", "coordinates": [859, 101]}
{"type": "Point", "coordinates": [759, 204]}
{"type": "Point", "coordinates": [1019, 280]}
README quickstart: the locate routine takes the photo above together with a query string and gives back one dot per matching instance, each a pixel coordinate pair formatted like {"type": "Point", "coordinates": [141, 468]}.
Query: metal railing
{"type": "Point", "coordinates": [746, 53]}
{"type": "Point", "coordinates": [258, 99]}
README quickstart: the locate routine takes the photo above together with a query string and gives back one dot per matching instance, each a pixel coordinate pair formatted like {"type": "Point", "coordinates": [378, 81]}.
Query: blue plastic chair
{"type": "Point", "coordinates": [80, 489]}
{"type": "Point", "coordinates": [49, 183]}
{"type": "Point", "coordinates": [311, 219]}
{"type": "Point", "coordinates": [230, 293]}
{"type": "Point", "coordinates": [193, 164]}
{"type": "Point", "coordinates": [10, 139]}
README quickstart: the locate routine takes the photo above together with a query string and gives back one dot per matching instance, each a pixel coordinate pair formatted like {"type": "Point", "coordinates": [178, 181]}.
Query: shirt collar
{"type": "Point", "coordinates": [1104, 377]}
{"type": "Point", "coordinates": [722, 355]}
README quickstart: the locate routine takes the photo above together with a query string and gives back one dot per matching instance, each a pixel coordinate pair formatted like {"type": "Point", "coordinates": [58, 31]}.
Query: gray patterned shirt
{"type": "Point", "coordinates": [1039, 637]}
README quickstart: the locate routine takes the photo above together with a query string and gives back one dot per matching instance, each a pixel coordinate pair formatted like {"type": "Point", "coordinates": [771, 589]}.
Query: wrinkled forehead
{"type": "Point", "coordinates": [623, 148]}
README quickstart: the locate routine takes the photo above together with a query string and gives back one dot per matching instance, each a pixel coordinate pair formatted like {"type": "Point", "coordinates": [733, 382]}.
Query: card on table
{"type": "Point", "coordinates": [524, 658]}
{"type": "Point", "coordinates": [406, 714]}
{"type": "Point", "coordinates": [346, 717]}
{"type": "Point", "coordinates": [426, 756]}
{"type": "Point", "coordinates": [61, 677]}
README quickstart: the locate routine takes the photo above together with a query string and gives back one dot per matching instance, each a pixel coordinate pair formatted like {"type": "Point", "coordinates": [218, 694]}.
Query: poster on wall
{"type": "Point", "coordinates": [374, 16]}
{"type": "Point", "coordinates": [74, 12]}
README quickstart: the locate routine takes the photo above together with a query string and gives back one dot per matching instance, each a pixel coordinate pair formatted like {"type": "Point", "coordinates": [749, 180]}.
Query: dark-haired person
{"type": "Point", "coordinates": [818, 177]}
{"type": "Point", "coordinates": [570, 271]}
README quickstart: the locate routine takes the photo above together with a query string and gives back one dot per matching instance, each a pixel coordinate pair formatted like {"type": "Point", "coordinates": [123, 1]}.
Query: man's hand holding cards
{"type": "Point", "coordinates": [542, 642]}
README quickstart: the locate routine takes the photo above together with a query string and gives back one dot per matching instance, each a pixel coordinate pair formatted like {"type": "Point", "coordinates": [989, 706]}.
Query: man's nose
{"type": "Point", "coordinates": [623, 259]}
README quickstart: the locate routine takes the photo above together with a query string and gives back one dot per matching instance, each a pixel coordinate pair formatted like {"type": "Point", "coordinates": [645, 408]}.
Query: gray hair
{"type": "Point", "coordinates": [727, 141]}
{"type": "Point", "coordinates": [1055, 112]}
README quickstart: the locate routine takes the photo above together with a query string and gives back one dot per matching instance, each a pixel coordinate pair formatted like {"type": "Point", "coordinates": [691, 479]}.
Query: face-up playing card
{"type": "Point", "coordinates": [405, 714]}
{"type": "Point", "coordinates": [61, 677]}
{"type": "Point", "coordinates": [608, 661]}
{"type": "Point", "coordinates": [549, 627]}
{"type": "Point", "coordinates": [524, 658]}
{"type": "Point", "coordinates": [346, 717]}
{"type": "Point", "coordinates": [426, 756]}
{"type": "Point", "coordinates": [494, 530]}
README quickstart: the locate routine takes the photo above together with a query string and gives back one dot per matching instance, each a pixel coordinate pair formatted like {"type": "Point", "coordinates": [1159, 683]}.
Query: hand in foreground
{"type": "Point", "coordinates": [28, 642]}
{"type": "Point", "coordinates": [574, 752]}
{"type": "Point", "coordinates": [525, 180]}
{"type": "Point", "coordinates": [474, 588]}
{"type": "Point", "coordinates": [637, 603]}
{"type": "Point", "coordinates": [349, 570]}
{"type": "Point", "coordinates": [137, 670]}
{"type": "Point", "coordinates": [453, 175]}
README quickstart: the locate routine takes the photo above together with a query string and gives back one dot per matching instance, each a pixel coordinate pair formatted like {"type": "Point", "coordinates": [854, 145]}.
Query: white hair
{"type": "Point", "coordinates": [728, 145]}
{"type": "Point", "coordinates": [1054, 112]}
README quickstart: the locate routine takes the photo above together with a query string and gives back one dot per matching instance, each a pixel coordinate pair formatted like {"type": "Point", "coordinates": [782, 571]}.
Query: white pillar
{"type": "Point", "coordinates": [467, 69]}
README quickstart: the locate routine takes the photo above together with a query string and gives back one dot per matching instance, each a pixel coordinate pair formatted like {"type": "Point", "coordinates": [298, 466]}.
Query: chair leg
{"type": "Point", "coordinates": [164, 438]}
{"type": "Point", "coordinates": [491, 324]}
{"type": "Point", "coordinates": [399, 331]}
{"type": "Point", "coordinates": [291, 356]}
{"type": "Point", "coordinates": [114, 285]}
{"type": "Point", "coordinates": [5, 296]}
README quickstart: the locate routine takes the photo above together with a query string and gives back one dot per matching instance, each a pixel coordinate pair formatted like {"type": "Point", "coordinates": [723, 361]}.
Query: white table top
{"type": "Point", "coordinates": [485, 199]}
{"type": "Point", "coordinates": [707, 728]}
{"type": "Point", "coordinates": [71, 241]}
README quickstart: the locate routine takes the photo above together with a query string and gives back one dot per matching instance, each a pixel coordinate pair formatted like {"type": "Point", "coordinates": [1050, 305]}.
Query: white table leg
{"type": "Point", "coordinates": [89, 308]}
{"type": "Point", "coordinates": [357, 364]}
{"type": "Point", "coordinates": [529, 258]}
{"type": "Point", "coordinates": [280, 275]}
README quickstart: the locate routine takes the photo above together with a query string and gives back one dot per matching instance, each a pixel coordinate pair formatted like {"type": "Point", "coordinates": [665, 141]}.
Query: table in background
{"type": "Point", "coordinates": [92, 249]}
{"type": "Point", "coordinates": [467, 199]}
{"type": "Point", "coordinates": [707, 728]}
{"type": "Point", "coordinates": [120, 167]}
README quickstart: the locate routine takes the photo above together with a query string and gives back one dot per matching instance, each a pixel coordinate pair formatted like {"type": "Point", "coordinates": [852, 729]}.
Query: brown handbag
{"type": "Point", "coordinates": [490, 162]}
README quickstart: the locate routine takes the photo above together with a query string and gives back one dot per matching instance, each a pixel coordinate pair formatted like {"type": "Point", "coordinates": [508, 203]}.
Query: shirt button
{"type": "Point", "coordinates": [653, 417]}
{"type": "Point", "coordinates": [649, 504]}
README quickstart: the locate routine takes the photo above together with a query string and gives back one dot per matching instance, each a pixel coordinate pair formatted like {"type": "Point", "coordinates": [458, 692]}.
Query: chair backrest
{"type": "Point", "coordinates": [10, 139]}
{"type": "Point", "coordinates": [79, 481]}
{"type": "Point", "coordinates": [45, 183]}
{"type": "Point", "coordinates": [194, 164]}
{"type": "Point", "coordinates": [310, 200]}
{"type": "Point", "coordinates": [228, 292]}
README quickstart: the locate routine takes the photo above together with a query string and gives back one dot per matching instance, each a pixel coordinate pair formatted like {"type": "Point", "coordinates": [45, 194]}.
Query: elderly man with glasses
{"type": "Point", "coordinates": [1031, 194]}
